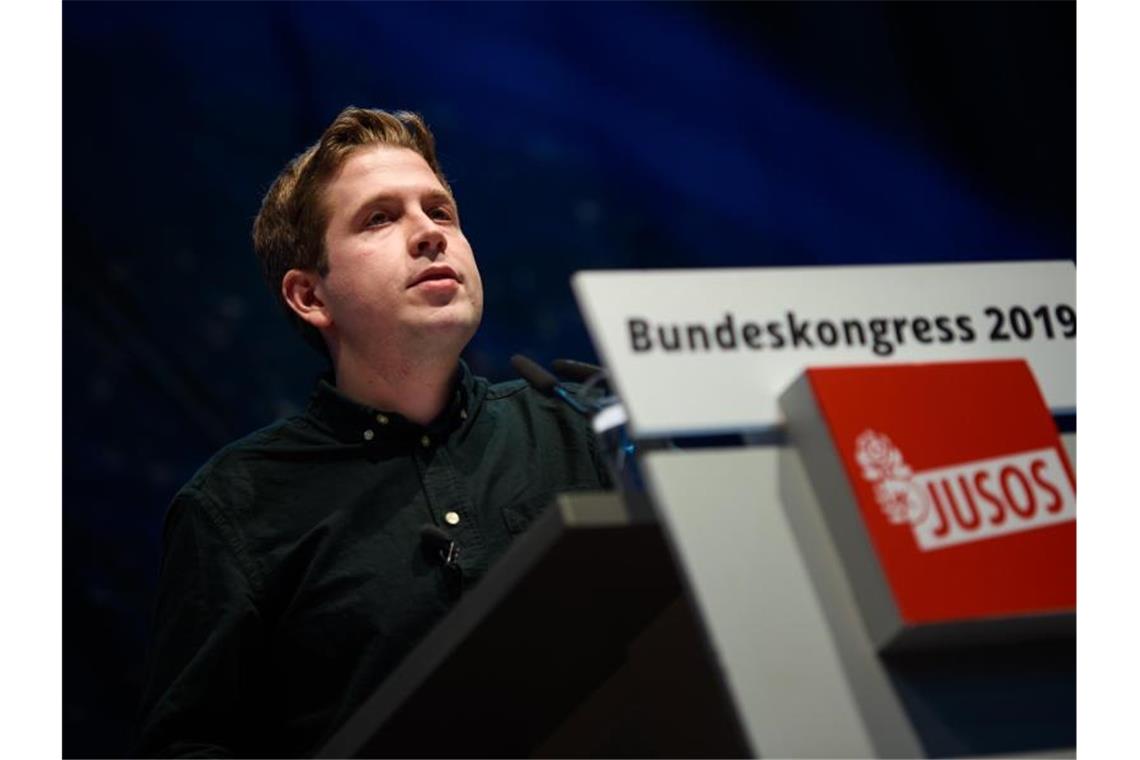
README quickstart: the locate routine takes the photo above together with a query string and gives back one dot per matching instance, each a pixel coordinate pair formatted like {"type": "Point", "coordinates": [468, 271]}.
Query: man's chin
{"type": "Point", "coordinates": [448, 325]}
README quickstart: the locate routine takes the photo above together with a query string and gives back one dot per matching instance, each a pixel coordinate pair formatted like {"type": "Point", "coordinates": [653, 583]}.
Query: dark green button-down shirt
{"type": "Point", "coordinates": [295, 576]}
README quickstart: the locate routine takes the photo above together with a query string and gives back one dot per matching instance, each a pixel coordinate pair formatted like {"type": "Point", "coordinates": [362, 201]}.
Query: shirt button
{"type": "Point", "coordinates": [382, 419]}
{"type": "Point", "coordinates": [425, 442]}
{"type": "Point", "coordinates": [369, 435]}
{"type": "Point", "coordinates": [452, 518]}
{"type": "Point", "coordinates": [462, 414]}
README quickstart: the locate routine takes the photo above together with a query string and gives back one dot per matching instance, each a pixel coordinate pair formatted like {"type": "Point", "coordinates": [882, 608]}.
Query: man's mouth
{"type": "Point", "coordinates": [433, 273]}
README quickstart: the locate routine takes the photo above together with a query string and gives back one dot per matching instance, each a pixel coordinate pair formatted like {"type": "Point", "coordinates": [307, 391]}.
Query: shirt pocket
{"type": "Point", "coordinates": [519, 515]}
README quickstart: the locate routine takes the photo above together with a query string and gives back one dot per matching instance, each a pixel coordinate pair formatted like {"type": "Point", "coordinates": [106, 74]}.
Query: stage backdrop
{"type": "Point", "coordinates": [575, 136]}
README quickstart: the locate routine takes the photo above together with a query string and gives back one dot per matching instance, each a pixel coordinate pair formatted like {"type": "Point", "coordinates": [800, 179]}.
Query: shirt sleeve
{"type": "Point", "coordinates": [207, 642]}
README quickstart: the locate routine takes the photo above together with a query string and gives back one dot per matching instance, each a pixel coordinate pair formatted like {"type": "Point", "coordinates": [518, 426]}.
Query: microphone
{"type": "Point", "coordinates": [437, 543]}
{"type": "Point", "coordinates": [576, 371]}
{"type": "Point", "coordinates": [548, 384]}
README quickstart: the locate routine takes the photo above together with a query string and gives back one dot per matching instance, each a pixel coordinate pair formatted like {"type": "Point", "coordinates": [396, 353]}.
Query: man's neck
{"type": "Point", "coordinates": [418, 390]}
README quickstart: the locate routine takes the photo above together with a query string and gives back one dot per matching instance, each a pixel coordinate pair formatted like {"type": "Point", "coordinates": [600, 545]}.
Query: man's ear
{"type": "Point", "coordinates": [301, 290]}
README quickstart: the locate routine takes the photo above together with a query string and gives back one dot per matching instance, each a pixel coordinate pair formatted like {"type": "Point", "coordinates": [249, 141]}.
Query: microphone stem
{"type": "Point", "coordinates": [568, 397]}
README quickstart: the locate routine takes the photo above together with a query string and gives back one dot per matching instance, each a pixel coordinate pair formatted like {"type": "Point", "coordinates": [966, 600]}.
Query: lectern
{"type": "Point", "coordinates": [578, 643]}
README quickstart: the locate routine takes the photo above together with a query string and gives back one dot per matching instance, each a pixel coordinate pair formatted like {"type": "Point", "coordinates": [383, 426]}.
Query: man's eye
{"type": "Point", "coordinates": [442, 213]}
{"type": "Point", "coordinates": [377, 218]}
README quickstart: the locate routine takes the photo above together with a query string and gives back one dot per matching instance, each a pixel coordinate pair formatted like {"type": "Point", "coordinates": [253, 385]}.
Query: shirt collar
{"type": "Point", "coordinates": [353, 422]}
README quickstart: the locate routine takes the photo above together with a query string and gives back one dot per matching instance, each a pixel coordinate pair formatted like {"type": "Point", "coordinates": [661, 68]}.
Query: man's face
{"type": "Point", "coordinates": [401, 273]}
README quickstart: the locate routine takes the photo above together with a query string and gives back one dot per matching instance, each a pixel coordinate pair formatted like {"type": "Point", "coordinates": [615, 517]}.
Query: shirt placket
{"type": "Point", "coordinates": [451, 506]}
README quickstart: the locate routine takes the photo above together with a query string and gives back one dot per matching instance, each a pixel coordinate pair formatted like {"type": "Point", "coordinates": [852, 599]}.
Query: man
{"type": "Point", "coordinates": [295, 574]}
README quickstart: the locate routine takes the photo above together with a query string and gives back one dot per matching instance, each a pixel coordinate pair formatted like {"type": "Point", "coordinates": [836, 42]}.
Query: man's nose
{"type": "Point", "coordinates": [427, 241]}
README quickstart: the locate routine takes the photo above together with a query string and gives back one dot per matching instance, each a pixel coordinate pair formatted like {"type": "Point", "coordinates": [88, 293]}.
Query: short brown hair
{"type": "Point", "coordinates": [290, 227]}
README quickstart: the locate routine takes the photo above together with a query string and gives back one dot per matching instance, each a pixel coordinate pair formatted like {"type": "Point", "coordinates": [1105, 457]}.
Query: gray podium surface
{"type": "Point", "coordinates": [728, 628]}
{"type": "Point", "coordinates": [802, 673]}
{"type": "Point", "coordinates": [578, 642]}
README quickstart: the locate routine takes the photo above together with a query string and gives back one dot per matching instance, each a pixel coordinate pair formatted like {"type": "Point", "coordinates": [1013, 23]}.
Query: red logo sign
{"type": "Point", "coordinates": [963, 485]}
{"type": "Point", "coordinates": [971, 501]}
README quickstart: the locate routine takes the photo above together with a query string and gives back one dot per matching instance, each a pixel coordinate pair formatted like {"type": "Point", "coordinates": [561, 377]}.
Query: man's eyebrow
{"type": "Point", "coordinates": [431, 196]}
{"type": "Point", "coordinates": [441, 196]}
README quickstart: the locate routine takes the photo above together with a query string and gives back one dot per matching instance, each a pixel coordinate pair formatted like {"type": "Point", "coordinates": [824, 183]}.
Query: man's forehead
{"type": "Point", "coordinates": [379, 167]}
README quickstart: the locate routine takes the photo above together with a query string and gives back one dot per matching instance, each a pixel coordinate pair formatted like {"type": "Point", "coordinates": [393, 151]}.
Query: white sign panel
{"type": "Point", "coordinates": [710, 350]}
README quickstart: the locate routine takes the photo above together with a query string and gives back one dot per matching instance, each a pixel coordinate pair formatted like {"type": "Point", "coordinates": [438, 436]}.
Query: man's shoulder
{"type": "Point", "coordinates": [532, 420]}
{"type": "Point", "coordinates": [517, 400]}
{"type": "Point", "coordinates": [234, 467]}
{"type": "Point", "coordinates": [522, 391]}
{"type": "Point", "coordinates": [506, 390]}
{"type": "Point", "coordinates": [519, 393]}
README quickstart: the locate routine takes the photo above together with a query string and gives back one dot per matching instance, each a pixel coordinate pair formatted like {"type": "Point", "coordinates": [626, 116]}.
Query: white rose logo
{"type": "Point", "coordinates": [895, 490]}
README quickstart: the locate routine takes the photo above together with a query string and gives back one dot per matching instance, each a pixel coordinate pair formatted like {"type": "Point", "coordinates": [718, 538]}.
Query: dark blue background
{"type": "Point", "coordinates": [575, 136]}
